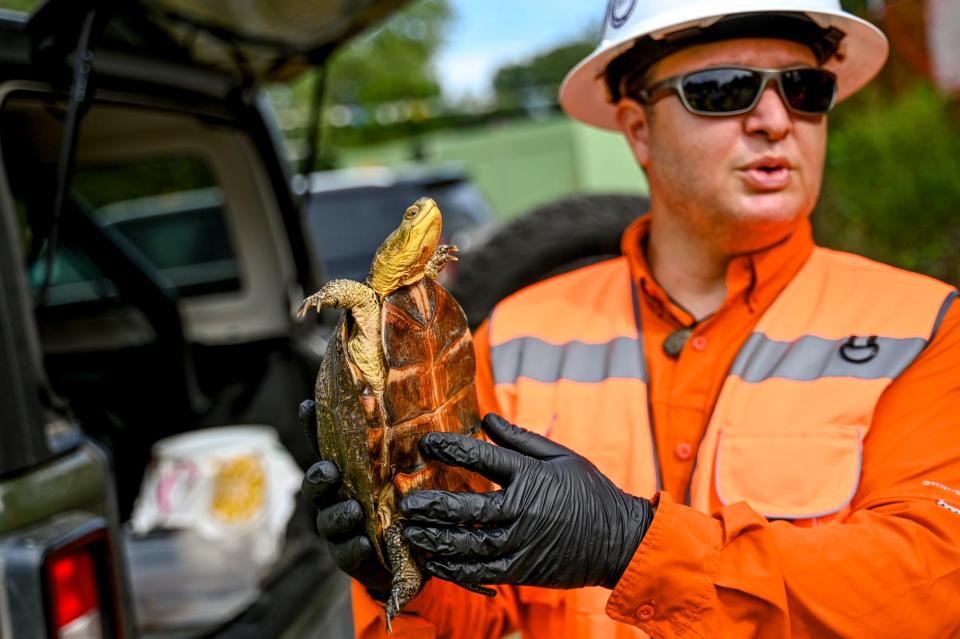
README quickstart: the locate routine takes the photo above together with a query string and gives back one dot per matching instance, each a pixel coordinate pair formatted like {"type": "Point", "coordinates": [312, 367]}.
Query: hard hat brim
{"type": "Point", "coordinates": [584, 94]}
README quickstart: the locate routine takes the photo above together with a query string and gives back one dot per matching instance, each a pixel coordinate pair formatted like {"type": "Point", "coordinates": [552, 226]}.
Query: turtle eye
{"type": "Point", "coordinates": [411, 213]}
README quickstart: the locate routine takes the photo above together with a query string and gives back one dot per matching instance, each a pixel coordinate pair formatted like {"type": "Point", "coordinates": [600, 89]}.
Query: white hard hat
{"type": "Point", "coordinates": [584, 94]}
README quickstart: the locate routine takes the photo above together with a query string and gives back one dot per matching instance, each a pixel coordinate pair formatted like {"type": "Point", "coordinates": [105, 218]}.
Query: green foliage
{"type": "Point", "coordinates": [540, 77]}
{"type": "Point", "coordinates": [892, 183]}
{"type": "Point", "coordinates": [393, 62]}
{"type": "Point", "coordinates": [103, 185]}
{"type": "Point", "coordinates": [858, 7]}
{"type": "Point", "coordinates": [19, 5]}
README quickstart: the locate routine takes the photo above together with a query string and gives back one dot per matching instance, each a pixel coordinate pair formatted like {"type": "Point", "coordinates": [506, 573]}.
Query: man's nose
{"type": "Point", "coordinates": [771, 117]}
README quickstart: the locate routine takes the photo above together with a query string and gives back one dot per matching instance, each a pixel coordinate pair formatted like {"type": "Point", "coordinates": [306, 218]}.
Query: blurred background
{"type": "Point", "coordinates": [159, 231]}
{"type": "Point", "coordinates": [469, 89]}
{"type": "Point", "coordinates": [474, 84]}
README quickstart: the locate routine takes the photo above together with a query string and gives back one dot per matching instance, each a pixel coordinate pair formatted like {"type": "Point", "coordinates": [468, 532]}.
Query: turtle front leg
{"type": "Point", "coordinates": [349, 294]}
{"type": "Point", "coordinates": [443, 254]}
{"type": "Point", "coordinates": [364, 343]}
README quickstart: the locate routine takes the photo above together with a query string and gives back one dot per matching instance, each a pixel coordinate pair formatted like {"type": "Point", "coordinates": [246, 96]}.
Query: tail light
{"type": "Point", "coordinates": [74, 597]}
{"type": "Point", "coordinates": [79, 589]}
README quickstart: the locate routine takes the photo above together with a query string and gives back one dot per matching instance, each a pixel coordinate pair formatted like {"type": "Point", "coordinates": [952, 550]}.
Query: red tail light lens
{"type": "Point", "coordinates": [79, 587]}
{"type": "Point", "coordinates": [74, 596]}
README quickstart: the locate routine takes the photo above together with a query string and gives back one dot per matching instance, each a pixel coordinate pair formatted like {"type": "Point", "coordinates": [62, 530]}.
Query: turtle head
{"type": "Point", "coordinates": [402, 258]}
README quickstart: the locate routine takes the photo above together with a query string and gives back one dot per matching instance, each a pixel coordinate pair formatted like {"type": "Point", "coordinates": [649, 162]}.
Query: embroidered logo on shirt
{"type": "Point", "coordinates": [936, 484]}
{"type": "Point", "coordinates": [857, 352]}
{"type": "Point", "coordinates": [953, 509]}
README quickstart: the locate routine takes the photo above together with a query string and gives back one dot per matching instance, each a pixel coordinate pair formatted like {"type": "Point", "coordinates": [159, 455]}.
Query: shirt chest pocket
{"type": "Point", "coordinates": [796, 472]}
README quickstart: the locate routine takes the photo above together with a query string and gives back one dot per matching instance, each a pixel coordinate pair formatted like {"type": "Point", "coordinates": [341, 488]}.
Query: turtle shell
{"type": "Point", "coordinates": [430, 385]}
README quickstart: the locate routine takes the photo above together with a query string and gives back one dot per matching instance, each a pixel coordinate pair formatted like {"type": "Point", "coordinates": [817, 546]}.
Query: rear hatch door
{"type": "Point", "coordinates": [265, 40]}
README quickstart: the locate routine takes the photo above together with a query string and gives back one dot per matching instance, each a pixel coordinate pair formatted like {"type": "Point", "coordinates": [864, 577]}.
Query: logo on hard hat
{"type": "Point", "coordinates": [620, 11]}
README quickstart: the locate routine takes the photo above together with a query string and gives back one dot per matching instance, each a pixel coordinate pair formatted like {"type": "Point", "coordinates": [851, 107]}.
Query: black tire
{"type": "Point", "coordinates": [551, 239]}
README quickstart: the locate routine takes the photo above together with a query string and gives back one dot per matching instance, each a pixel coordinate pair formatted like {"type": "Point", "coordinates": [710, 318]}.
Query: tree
{"type": "Point", "coordinates": [393, 62]}
{"type": "Point", "coordinates": [890, 189]}
{"type": "Point", "coordinates": [539, 78]}
{"type": "Point", "coordinates": [390, 63]}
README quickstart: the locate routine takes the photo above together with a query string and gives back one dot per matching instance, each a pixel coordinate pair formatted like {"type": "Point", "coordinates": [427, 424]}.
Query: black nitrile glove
{"type": "Point", "coordinates": [558, 522]}
{"type": "Point", "coordinates": [340, 521]}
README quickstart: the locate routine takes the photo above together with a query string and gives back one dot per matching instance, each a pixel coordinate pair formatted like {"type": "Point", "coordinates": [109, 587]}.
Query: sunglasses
{"type": "Point", "coordinates": [720, 91]}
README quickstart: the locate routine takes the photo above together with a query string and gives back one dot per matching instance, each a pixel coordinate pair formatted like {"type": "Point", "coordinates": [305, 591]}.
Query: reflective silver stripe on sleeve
{"type": "Point", "coordinates": [943, 312]}
{"type": "Point", "coordinates": [533, 358]}
{"type": "Point", "coordinates": [813, 357]}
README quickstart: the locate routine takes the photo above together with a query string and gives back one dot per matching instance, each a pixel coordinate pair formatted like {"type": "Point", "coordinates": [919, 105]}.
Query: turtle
{"type": "Point", "coordinates": [399, 364]}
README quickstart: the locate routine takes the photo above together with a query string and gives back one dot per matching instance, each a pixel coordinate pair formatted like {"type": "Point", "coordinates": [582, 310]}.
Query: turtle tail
{"type": "Point", "coordinates": [407, 578]}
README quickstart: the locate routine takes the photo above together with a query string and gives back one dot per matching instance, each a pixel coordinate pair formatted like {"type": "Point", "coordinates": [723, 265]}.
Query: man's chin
{"type": "Point", "coordinates": [755, 228]}
{"type": "Point", "coordinates": [761, 210]}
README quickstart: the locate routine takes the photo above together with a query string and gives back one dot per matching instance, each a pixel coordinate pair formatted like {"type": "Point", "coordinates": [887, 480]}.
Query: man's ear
{"type": "Point", "coordinates": [634, 121]}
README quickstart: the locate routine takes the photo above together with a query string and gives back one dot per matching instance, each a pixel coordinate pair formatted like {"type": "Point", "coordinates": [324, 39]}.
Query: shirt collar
{"type": "Point", "coordinates": [754, 279]}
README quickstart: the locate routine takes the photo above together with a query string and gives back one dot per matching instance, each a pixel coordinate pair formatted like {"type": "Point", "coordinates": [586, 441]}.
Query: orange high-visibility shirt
{"type": "Point", "coordinates": [891, 568]}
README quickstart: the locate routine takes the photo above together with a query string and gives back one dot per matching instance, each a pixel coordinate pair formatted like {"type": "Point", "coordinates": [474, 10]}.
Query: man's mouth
{"type": "Point", "coordinates": [768, 173]}
{"type": "Point", "coordinates": [770, 163]}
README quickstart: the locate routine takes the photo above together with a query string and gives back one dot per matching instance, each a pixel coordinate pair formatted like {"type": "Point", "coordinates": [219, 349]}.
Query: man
{"type": "Point", "coordinates": [734, 433]}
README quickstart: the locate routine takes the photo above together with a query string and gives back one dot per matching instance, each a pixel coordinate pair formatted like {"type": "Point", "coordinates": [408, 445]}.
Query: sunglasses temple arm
{"type": "Point", "coordinates": [655, 93]}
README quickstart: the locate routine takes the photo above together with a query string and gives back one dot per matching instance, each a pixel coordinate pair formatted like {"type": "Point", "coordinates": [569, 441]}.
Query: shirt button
{"type": "Point", "coordinates": [698, 343]}
{"type": "Point", "coordinates": [683, 451]}
{"type": "Point", "coordinates": [646, 612]}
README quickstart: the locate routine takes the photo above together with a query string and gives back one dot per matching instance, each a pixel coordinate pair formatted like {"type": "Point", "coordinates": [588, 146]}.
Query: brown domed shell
{"type": "Point", "coordinates": [430, 384]}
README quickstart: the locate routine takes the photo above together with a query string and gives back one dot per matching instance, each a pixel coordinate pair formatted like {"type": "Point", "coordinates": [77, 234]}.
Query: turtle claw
{"type": "Point", "coordinates": [305, 305]}
{"type": "Point", "coordinates": [443, 254]}
{"type": "Point", "coordinates": [393, 609]}
{"type": "Point", "coordinates": [302, 310]}
{"type": "Point", "coordinates": [319, 301]}
{"type": "Point", "coordinates": [357, 297]}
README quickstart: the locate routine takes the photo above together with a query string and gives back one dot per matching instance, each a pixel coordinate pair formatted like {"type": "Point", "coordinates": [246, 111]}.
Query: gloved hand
{"type": "Point", "coordinates": [340, 521]}
{"type": "Point", "coordinates": [558, 522]}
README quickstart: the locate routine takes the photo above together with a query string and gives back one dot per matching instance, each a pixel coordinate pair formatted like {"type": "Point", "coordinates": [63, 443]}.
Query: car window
{"type": "Point", "coordinates": [348, 226]}
{"type": "Point", "coordinates": [463, 206]}
{"type": "Point", "coordinates": [170, 209]}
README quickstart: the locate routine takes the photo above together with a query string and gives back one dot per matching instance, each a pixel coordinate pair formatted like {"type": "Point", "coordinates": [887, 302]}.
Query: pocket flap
{"type": "Point", "coordinates": [789, 473]}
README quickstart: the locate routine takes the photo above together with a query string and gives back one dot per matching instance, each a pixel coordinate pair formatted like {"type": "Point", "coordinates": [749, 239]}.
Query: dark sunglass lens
{"type": "Point", "coordinates": [809, 90]}
{"type": "Point", "coordinates": [721, 90]}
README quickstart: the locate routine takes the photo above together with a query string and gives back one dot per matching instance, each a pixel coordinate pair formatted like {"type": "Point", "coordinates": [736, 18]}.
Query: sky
{"type": "Point", "coordinates": [487, 34]}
